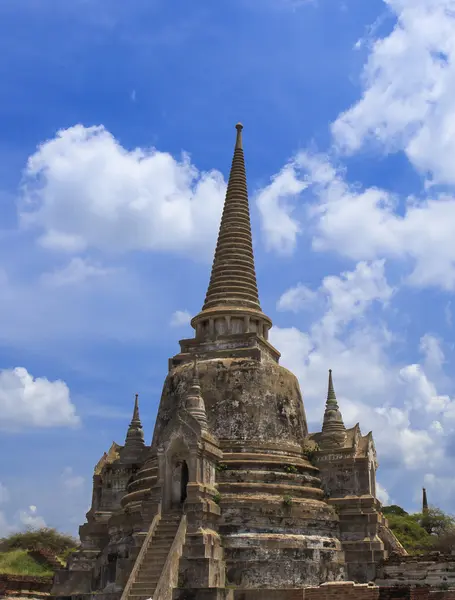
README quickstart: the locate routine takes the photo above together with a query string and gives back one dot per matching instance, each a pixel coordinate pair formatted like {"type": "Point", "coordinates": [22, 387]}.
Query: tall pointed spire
{"type": "Point", "coordinates": [333, 429]}
{"type": "Point", "coordinates": [233, 287]}
{"type": "Point", "coordinates": [233, 278]}
{"type": "Point", "coordinates": [134, 442]}
{"type": "Point", "coordinates": [424, 501]}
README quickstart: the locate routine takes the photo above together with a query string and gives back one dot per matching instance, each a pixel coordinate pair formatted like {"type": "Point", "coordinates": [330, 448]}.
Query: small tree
{"type": "Point", "coordinates": [45, 537]}
{"type": "Point", "coordinates": [436, 522]}
{"type": "Point", "coordinates": [394, 509]}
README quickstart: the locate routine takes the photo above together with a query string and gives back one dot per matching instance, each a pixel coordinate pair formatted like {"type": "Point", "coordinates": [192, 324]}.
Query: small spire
{"type": "Point", "coordinates": [333, 429]}
{"type": "Point", "coordinates": [134, 442]}
{"type": "Point", "coordinates": [136, 409]}
{"type": "Point", "coordinates": [194, 400]}
{"type": "Point", "coordinates": [424, 501]}
{"type": "Point", "coordinates": [331, 397]}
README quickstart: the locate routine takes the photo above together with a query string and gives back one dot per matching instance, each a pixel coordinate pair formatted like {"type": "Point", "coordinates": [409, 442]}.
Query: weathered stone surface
{"type": "Point", "coordinates": [267, 506]}
{"type": "Point", "coordinates": [433, 570]}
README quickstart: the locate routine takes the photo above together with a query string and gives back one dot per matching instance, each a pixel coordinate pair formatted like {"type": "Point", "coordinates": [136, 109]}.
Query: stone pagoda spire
{"type": "Point", "coordinates": [194, 400]}
{"type": "Point", "coordinates": [232, 302]}
{"type": "Point", "coordinates": [134, 442]}
{"type": "Point", "coordinates": [424, 501]}
{"type": "Point", "coordinates": [333, 429]}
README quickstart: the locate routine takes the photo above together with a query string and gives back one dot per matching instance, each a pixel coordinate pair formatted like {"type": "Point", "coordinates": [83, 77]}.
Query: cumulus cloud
{"type": "Point", "coordinates": [26, 401]}
{"type": "Point", "coordinates": [370, 388]}
{"type": "Point", "coordinates": [180, 318]}
{"type": "Point", "coordinates": [408, 89]}
{"type": "Point", "coordinates": [363, 224]}
{"type": "Point", "coordinates": [280, 228]}
{"type": "Point", "coordinates": [297, 298]}
{"type": "Point", "coordinates": [83, 190]}
{"type": "Point", "coordinates": [406, 105]}
{"type": "Point", "coordinates": [31, 518]}
{"type": "Point", "coordinates": [22, 518]}
{"type": "Point", "coordinates": [77, 271]}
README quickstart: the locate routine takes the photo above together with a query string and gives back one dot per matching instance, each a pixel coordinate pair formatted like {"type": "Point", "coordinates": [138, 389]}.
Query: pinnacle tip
{"type": "Point", "coordinates": [239, 126]}
{"type": "Point", "coordinates": [330, 370]}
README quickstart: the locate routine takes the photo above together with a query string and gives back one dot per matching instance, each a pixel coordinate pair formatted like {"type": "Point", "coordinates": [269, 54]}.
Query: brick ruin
{"type": "Point", "coordinates": [234, 498]}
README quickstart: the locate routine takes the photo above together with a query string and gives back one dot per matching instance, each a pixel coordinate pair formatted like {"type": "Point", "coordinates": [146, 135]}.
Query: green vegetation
{"type": "Point", "coordinates": [420, 533]}
{"type": "Point", "coordinates": [45, 537]}
{"type": "Point", "coordinates": [14, 556]}
{"type": "Point", "coordinates": [290, 469]}
{"type": "Point", "coordinates": [220, 467]}
{"type": "Point", "coordinates": [217, 498]}
{"type": "Point", "coordinates": [287, 500]}
{"type": "Point", "coordinates": [310, 450]}
{"type": "Point", "coordinates": [19, 562]}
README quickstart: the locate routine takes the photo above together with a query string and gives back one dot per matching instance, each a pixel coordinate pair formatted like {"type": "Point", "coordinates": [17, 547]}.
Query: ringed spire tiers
{"type": "Point", "coordinates": [134, 442]}
{"type": "Point", "coordinates": [333, 428]}
{"type": "Point", "coordinates": [232, 300]}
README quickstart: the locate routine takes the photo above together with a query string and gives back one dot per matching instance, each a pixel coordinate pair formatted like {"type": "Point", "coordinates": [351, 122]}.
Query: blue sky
{"type": "Point", "coordinates": [117, 137]}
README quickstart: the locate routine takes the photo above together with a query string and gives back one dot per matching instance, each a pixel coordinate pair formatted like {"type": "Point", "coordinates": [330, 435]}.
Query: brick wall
{"type": "Point", "coordinates": [347, 590]}
{"type": "Point", "coordinates": [342, 590]}
{"type": "Point", "coordinates": [13, 585]}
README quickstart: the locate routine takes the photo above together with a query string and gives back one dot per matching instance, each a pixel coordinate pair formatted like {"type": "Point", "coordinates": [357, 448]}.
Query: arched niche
{"type": "Point", "coordinates": [176, 475]}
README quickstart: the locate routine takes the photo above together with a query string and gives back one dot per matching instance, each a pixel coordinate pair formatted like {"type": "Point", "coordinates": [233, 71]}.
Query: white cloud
{"type": "Point", "coordinates": [77, 271]}
{"type": "Point", "coordinates": [180, 318]}
{"type": "Point", "coordinates": [382, 494]}
{"type": "Point", "coordinates": [82, 190]}
{"type": "Point", "coordinates": [422, 392]}
{"type": "Point", "coordinates": [408, 89]}
{"type": "Point", "coordinates": [26, 401]}
{"type": "Point", "coordinates": [357, 356]}
{"type": "Point", "coordinates": [70, 481]}
{"type": "Point", "coordinates": [430, 346]}
{"type": "Point", "coordinates": [362, 224]}
{"type": "Point", "coordinates": [369, 387]}
{"type": "Point", "coordinates": [31, 518]}
{"type": "Point", "coordinates": [21, 519]}
{"type": "Point", "coordinates": [279, 228]}
{"type": "Point", "coordinates": [345, 297]}
{"type": "Point", "coordinates": [296, 298]}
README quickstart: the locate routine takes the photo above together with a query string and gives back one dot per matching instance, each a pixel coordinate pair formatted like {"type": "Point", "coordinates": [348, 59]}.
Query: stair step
{"type": "Point", "coordinates": [147, 576]}
{"type": "Point", "coordinates": [139, 588]}
{"type": "Point", "coordinates": [146, 572]}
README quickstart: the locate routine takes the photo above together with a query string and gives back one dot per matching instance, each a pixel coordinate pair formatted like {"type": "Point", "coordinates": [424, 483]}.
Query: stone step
{"type": "Point", "coordinates": [146, 579]}
{"type": "Point", "coordinates": [155, 567]}
{"type": "Point", "coordinates": [140, 588]}
{"type": "Point", "coordinates": [160, 543]}
{"type": "Point", "coordinates": [157, 550]}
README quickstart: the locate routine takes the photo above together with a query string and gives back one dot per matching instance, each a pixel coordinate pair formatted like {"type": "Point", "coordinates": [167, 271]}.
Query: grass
{"type": "Point", "coordinates": [19, 562]}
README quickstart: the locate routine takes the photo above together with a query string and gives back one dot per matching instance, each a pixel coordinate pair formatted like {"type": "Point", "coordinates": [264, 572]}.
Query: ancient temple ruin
{"type": "Point", "coordinates": [233, 493]}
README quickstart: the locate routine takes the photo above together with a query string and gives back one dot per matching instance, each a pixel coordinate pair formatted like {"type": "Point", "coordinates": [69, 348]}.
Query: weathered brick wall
{"type": "Point", "coordinates": [342, 590]}
{"type": "Point", "coordinates": [433, 570]}
{"type": "Point", "coordinates": [348, 590]}
{"type": "Point", "coordinates": [15, 585]}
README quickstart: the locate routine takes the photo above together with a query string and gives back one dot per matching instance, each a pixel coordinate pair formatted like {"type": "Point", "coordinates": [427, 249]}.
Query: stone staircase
{"type": "Point", "coordinates": [149, 573]}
